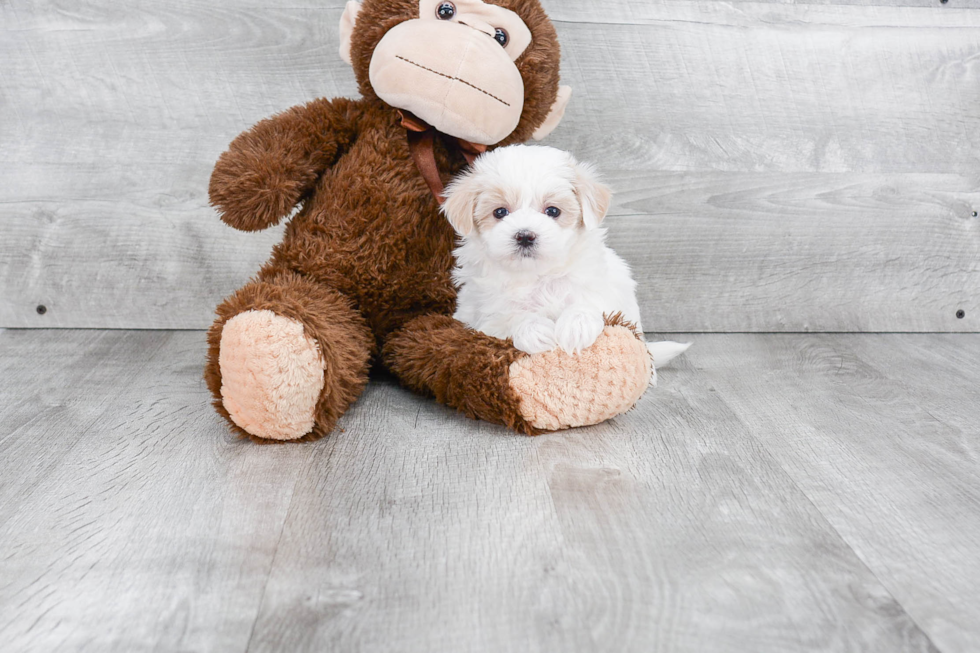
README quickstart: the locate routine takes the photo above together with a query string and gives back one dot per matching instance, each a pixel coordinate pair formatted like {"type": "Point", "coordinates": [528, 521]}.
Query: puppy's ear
{"type": "Point", "coordinates": [460, 205]}
{"type": "Point", "coordinates": [592, 194]}
{"type": "Point", "coordinates": [347, 21]}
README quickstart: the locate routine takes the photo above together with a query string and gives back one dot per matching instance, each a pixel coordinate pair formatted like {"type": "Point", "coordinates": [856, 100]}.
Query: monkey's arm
{"type": "Point", "coordinates": [489, 379]}
{"type": "Point", "coordinates": [267, 169]}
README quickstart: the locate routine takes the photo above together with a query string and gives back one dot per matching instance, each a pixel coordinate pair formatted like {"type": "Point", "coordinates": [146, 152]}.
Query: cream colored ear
{"type": "Point", "coordinates": [460, 205]}
{"type": "Point", "coordinates": [594, 196]}
{"type": "Point", "coordinates": [347, 28]}
{"type": "Point", "coordinates": [555, 115]}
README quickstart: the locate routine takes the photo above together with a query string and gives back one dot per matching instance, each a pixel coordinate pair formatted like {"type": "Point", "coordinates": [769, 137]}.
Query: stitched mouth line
{"type": "Point", "coordinates": [455, 79]}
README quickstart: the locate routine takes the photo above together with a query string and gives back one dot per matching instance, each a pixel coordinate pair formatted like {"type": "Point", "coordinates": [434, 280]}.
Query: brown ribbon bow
{"type": "Point", "coordinates": [421, 137]}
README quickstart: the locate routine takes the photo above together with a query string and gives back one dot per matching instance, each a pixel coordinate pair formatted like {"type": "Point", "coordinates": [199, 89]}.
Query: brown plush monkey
{"type": "Point", "coordinates": [363, 271]}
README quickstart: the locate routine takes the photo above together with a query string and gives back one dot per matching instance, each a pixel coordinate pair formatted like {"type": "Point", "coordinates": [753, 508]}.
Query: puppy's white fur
{"type": "Point", "coordinates": [553, 291]}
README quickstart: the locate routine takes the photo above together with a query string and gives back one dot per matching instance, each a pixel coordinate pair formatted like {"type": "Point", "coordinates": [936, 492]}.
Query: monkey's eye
{"type": "Point", "coordinates": [501, 37]}
{"type": "Point", "coordinates": [500, 213]}
{"type": "Point", "coordinates": [552, 211]}
{"type": "Point", "coordinates": [446, 11]}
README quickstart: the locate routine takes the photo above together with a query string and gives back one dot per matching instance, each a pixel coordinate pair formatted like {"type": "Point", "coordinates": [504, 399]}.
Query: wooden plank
{"type": "Point", "coordinates": [748, 86]}
{"type": "Point", "coordinates": [631, 12]}
{"type": "Point", "coordinates": [668, 529]}
{"type": "Point", "coordinates": [130, 261]}
{"type": "Point", "coordinates": [715, 252]}
{"type": "Point", "coordinates": [881, 434]}
{"type": "Point", "coordinates": [775, 88]}
{"type": "Point", "coordinates": [129, 519]}
{"type": "Point", "coordinates": [794, 12]}
{"type": "Point", "coordinates": [110, 119]}
{"type": "Point", "coordinates": [805, 252]}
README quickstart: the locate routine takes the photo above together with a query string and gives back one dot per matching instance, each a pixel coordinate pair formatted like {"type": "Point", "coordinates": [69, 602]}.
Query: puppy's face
{"type": "Point", "coordinates": [526, 205]}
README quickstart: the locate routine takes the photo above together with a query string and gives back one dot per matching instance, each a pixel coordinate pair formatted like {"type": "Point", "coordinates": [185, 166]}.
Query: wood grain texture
{"type": "Point", "coordinates": [579, 541]}
{"type": "Point", "coordinates": [112, 116]}
{"type": "Point", "coordinates": [801, 252]}
{"type": "Point", "coordinates": [707, 519]}
{"type": "Point", "coordinates": [130, 520]}
{"type": "Point", "coordinates": [881, 434]}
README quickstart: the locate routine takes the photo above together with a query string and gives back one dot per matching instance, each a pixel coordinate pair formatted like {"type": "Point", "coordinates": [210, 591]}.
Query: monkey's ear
{"type": "Point", "coordinates": [347, 27]}
{"type": "Point", "coordinates": [594, 196]}
{"type": "Point", "coordinates": [460, 205]}
{"type": "Point", "coordinates": [556, 113]}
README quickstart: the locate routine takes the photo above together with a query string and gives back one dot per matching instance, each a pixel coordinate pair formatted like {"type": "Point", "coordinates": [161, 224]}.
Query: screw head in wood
{"type": "Point", "coordinates": [960, 314]}
{"type": "Point", "coordinates": [41, 309]}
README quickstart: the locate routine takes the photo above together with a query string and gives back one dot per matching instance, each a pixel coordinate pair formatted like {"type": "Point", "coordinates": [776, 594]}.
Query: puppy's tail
{"type": "Point", "coordinates": [662, 352]}
{"type": "Point", "coordinates": [666, 351]}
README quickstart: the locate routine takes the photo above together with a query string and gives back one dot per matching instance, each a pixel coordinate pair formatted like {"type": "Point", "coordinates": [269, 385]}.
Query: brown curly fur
{"type": "Point", "coordinates": [461, 368]}
{"type": "Point", "coordinates": [367, 259]}
{"type": "Point", "coordinates": [617, 319]}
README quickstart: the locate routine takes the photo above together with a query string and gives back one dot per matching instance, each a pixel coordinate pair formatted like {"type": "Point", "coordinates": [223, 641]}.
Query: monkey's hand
{"type": "Point", "coordinates": [268, 169]}
{"type": "Point", "coordinates": [558, 390]}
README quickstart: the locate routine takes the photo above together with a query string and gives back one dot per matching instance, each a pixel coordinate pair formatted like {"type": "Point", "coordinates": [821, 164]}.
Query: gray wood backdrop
{"type": "Point", "coordinates": [778, 167]}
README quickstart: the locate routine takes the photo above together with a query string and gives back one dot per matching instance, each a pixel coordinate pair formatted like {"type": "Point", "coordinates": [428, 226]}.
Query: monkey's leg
{"type": "Point", "coordinates": [488, 379]}
{"type": "Point", "coordinates": [286, 357]}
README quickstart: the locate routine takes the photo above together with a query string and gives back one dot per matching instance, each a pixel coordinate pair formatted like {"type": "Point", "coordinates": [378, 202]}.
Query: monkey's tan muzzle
{"type": "Point", "coordinates": [454, 77]}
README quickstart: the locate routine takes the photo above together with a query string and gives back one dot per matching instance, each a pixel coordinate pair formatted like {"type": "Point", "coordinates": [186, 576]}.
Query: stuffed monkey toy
{"type": "Point", "coordinates": [363, 270]}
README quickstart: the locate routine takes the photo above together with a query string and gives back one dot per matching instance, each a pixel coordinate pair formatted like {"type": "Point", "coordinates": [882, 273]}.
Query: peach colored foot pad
{"type": "Point", "coordinates": [559, 390]}
{"type": "Point", "coordinates": [271, 375]}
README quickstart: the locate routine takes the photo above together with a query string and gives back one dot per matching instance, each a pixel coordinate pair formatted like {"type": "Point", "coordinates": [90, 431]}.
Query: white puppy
{"type": "Point", "coordinates": [533, 264]}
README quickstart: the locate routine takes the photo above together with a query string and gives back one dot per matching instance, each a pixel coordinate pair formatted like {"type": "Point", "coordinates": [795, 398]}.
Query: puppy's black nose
{"type": "Point", "coordinates": [525, 238]}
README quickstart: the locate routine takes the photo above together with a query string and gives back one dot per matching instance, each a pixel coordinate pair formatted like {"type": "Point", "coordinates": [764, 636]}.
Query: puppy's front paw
{"type": "Point", "coordinates": [577, 329]}
{"type": "Point", "coordinates": [535, 335]}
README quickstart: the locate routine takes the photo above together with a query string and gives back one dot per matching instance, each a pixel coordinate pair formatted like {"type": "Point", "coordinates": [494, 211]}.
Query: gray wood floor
{"type": "Point", "coordinates": [775, 493]}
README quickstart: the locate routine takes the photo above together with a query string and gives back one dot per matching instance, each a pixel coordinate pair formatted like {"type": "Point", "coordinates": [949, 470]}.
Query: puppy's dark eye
{"type": "Point", "coordinates": [500, 213]}
{"type": "Point", "coordinates": [501, 37]}
{"type": "Point", "coordinates": [552, 211]}
{"type": "Point", "coordinates": [446, 11]}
